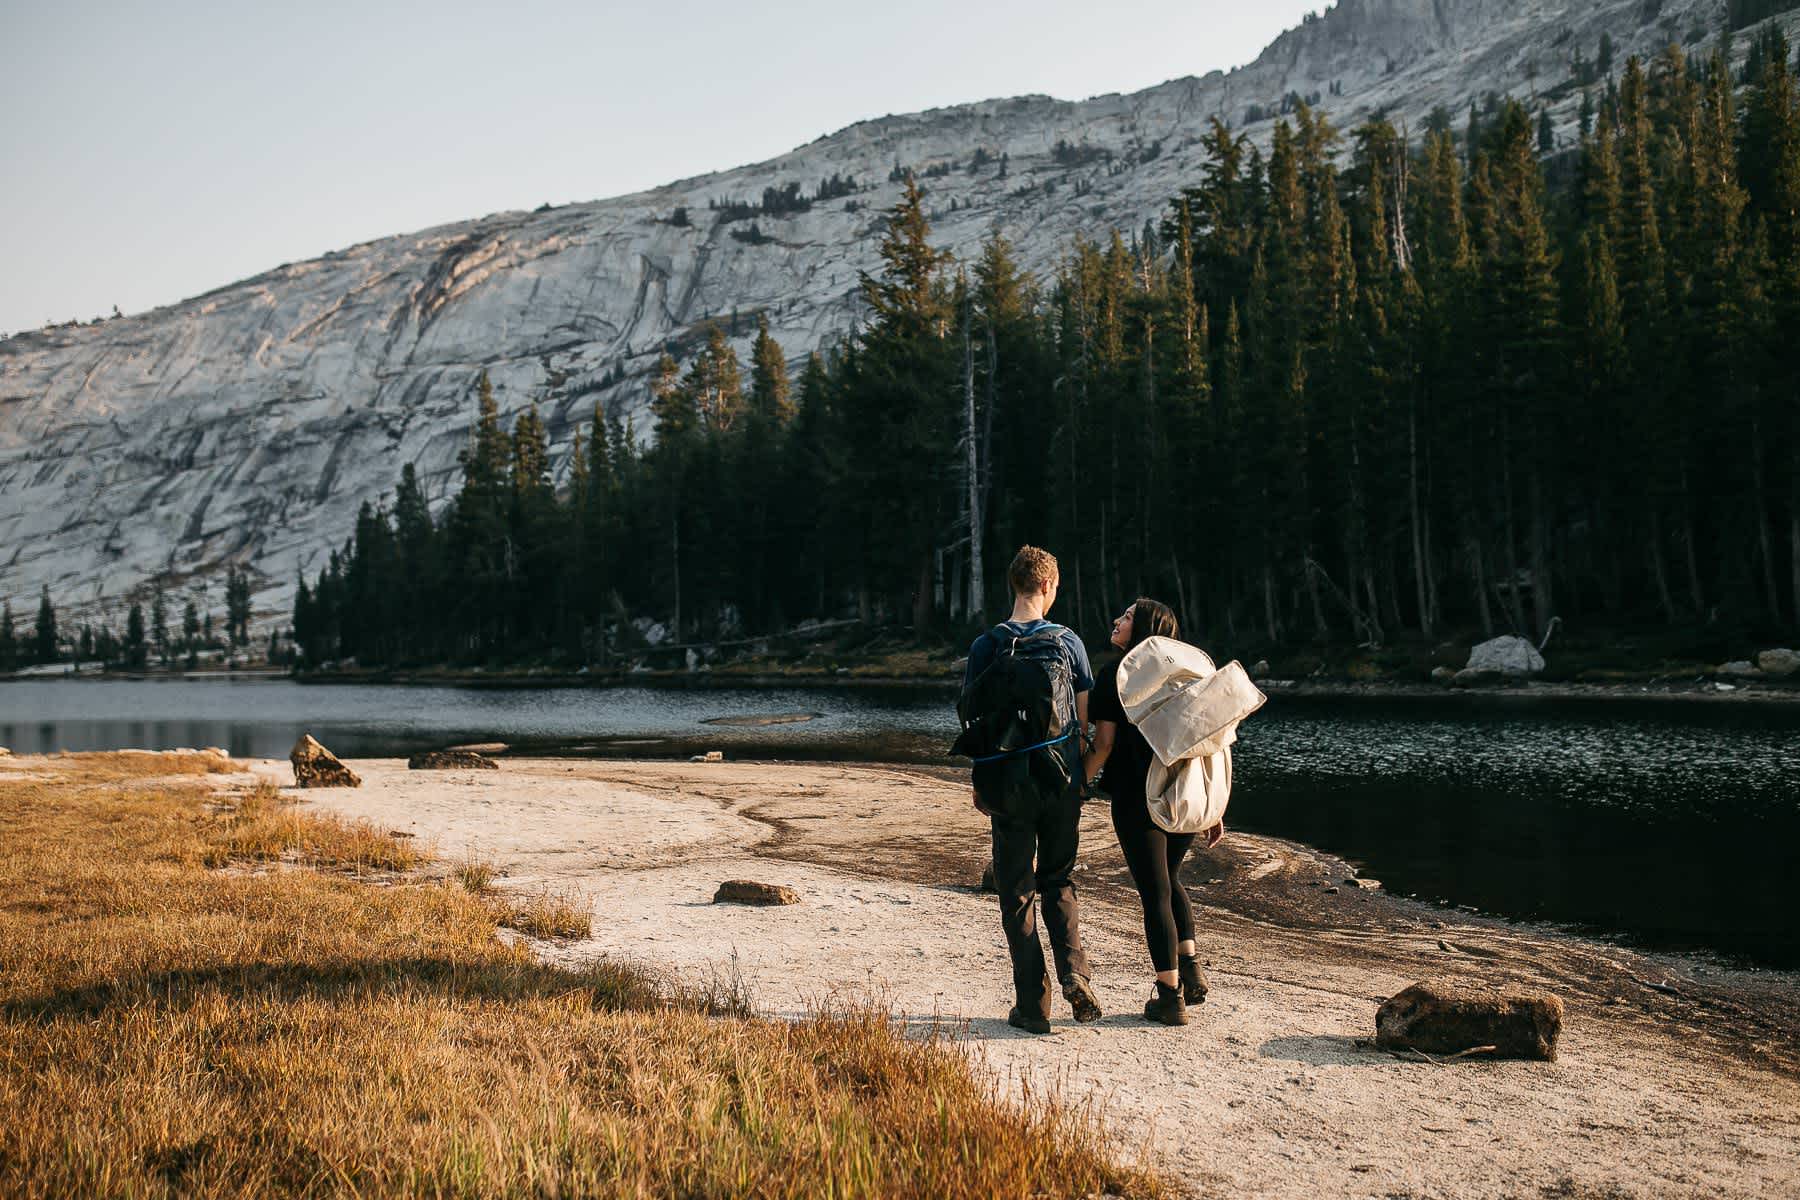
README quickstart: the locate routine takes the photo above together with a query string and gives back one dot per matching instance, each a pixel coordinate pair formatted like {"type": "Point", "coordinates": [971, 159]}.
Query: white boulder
{"type": "Point", "coordinates": [1778, 664]}
{"type": "Point", "coordinates": [1509, 655]}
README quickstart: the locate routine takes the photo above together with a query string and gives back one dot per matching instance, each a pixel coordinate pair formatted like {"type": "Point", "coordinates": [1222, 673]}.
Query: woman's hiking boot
{"type": "Point", "coordinates": [1193, 979]}
{"type": "Point", "coordinates": [1030, 1022]}
{"type": "Point", "coordinates": [1167, 1006]}
{"type": "Point", "coordinates": [1081, 998]}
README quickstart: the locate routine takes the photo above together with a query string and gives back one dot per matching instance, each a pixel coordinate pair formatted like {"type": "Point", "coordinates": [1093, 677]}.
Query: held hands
{"type": "Point", "coordinates": [1215, 835]}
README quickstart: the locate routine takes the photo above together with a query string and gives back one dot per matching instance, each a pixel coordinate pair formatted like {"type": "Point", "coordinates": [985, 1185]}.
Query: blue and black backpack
{"type": "Point", "coordinates": [1021, 708]}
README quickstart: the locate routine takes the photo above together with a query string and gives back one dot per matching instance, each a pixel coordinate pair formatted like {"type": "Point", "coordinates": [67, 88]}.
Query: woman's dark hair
{"type": "Point", "coordinates": [1151, 618]}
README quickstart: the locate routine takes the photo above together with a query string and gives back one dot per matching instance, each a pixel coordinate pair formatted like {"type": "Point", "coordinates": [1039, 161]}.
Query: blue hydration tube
{"type": "Point", "coordinates": [1026, 749]}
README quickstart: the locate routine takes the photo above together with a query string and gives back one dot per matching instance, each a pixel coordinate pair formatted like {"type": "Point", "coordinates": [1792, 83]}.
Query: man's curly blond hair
{"type": "Point", "coordinates": [1032, 571]}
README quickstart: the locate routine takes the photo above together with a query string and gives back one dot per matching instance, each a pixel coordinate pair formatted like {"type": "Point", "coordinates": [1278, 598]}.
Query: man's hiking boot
{"type": "Point", "coordinates": [1081, 998]}
{"type": "Point", "coordinates": [1193, 979]}
{"type": "Point", "coordinates": [1166, 1007]}
{"type": "Point", "coordinates": [1030, 1022]}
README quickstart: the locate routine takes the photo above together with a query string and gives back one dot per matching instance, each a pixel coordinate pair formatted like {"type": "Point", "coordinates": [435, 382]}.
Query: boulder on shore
{"type": "Point", "coordinates": [315, 766]}
{"type": "Point", "coordinates": [1438, 1016]}
{"type": "Point", "coordinates": [748, 891]}
{"type": "Point", "coordinates": [1778, 664]}
{"type": "Point", "coordinates": [1509, 655]}
{"type": "Point", "coordinates": [1741, 669]}
{"type": "Point", "coordinates": [450, 760]}
{"type": "Point", "coordinates": [1442, 674]}
{"type": "Point", "coordinates": [1476, 677]}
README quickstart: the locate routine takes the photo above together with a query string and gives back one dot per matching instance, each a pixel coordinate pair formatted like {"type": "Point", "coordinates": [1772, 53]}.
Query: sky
{"type": "Point", "coordinates": [156, 151]}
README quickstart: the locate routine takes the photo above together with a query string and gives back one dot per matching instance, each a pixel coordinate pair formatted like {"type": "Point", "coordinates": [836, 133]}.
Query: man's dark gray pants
{"type": "Point", "coordinates": [1036, 834]}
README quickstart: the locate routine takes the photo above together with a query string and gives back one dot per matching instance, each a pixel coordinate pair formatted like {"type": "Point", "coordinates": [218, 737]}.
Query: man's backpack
{"type": "Point", "coordinates": [1021, 705]}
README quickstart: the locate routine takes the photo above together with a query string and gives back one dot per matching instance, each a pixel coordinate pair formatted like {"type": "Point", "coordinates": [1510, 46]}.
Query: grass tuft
{"type": "Point", "coordinates": [476, 874]}
{"type": "Point", "coordinates": [168, 1029]}
{"type": "Point", "coordinates": [551, 913]}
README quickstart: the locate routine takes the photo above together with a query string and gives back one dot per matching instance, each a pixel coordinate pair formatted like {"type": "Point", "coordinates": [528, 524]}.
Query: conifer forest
{"type": "Point", "coordinates": [1367, 385]}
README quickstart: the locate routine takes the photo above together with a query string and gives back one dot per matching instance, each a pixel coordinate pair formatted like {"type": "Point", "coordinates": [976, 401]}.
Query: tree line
{"type": "Point", "coordinates": [1355, 389]}
{"type": "Point", "coordinates": [148, 637]}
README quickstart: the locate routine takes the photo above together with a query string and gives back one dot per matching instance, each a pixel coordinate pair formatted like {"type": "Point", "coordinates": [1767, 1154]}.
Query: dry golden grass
{"type": "Point", "coordinates": [166, 1028]}
{"type": "Point", "coordinates": [263, 825]}
{"type": "Point", "coordinates": [551, 913]}
{"type": "Point", "coordinates": [110, 766]}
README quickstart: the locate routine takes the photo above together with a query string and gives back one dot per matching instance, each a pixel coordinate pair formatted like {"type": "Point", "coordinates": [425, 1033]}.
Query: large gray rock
{"type": "Point", "coordinates": [248, 424]}
{"type": "Point", "coordinates": [1438, 1016]}
{"type": "Point", "coordinates": [1509, 655]}
{"type": "Point", "coordinates": [1741, 669]}
{"type": "Point", "coordinates": [316, 767]}
{"type": "Point", "coordinates": [1778, 664]}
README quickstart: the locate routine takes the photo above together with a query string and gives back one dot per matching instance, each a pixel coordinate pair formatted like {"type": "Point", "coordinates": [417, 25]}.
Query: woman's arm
{"type": "Point", "coordinates": [1094, 759]}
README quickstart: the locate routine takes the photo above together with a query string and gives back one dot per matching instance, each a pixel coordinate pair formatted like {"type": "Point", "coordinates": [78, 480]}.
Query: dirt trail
{"type": "Point", "coordinates": [1272, 1090]}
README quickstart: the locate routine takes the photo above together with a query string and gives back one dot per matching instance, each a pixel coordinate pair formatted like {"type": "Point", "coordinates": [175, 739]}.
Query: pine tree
{"type": "Point", "coordinates": [44, 641]}
{"type": "Point", "coordinates": [137, 650]}
{"type": "Point", "coordinates": [769, 390]}
{"type": "Point", "coordinates": [190, 632]}
{"type": "Point", "coordinates": [159, 623]}
{"type": "Point", "coordinates": [903, 414]}
{"type": "Point", "coordinates": [477, 555]}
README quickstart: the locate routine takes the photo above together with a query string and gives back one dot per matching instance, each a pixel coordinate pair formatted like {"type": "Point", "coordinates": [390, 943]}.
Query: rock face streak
{"type": "Point", "coordinates": [247, 425]}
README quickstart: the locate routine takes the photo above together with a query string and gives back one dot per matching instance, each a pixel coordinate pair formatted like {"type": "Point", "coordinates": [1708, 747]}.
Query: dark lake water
{"type": "Point", "coordinates": [1667, 825]}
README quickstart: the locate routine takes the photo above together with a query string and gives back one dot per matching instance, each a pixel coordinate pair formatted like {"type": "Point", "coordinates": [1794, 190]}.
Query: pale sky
{"type": "Point", "coordinates": [156, 151]}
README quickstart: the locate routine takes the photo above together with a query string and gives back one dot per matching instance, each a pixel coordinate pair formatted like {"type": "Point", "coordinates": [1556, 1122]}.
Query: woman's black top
{"type": "Point", "coordinates": [1129, 763]}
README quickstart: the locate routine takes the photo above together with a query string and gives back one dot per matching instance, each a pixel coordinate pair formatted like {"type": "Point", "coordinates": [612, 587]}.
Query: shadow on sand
{"type": "Point", "coordinates": [1326, 1050]}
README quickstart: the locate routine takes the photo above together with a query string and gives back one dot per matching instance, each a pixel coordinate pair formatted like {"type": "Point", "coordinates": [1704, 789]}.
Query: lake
{"type": "Point", "coordinates": [1668, 825]}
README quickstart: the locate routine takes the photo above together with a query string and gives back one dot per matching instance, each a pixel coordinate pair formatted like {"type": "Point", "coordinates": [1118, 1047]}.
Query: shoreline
{"type": "Point", "coordinates": [1688, 689]}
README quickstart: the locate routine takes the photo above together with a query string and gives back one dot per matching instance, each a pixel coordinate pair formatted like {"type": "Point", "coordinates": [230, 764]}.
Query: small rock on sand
{"type": "Point", "coordinates": [315, 766]}
{"type": "Point", "coordinates": [5, 753]}
{"type": "Point", "coordinates": [1438, 1016]}
{"type": "Point", "coordinates": [747, 891]}
{"type": "Point", "coordinates": [450, 760]}
{"type": "Point", "coordinates": [709, 756]}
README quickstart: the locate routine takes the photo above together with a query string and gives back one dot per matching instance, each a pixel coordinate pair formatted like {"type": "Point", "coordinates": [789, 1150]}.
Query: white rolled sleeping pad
{"type": "Point", "coordinates": [1188, 711]}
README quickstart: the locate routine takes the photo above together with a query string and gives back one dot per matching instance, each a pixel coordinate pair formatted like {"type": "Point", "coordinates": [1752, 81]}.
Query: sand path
{"type": "Point", "coordinates": [1270, 1091]}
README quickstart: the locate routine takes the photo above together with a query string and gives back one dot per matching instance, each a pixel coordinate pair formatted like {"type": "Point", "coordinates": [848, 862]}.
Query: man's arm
{"type": "Point", "coordinates": [1094, 759]}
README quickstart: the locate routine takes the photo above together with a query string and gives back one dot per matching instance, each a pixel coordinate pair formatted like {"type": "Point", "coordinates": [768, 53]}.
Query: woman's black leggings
{"type": "Point", "coordinates": [1154, 858]}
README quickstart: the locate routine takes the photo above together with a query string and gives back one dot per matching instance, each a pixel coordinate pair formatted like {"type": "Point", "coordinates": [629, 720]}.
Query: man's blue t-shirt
{"type": "Point", "coordinates": [981, 654]}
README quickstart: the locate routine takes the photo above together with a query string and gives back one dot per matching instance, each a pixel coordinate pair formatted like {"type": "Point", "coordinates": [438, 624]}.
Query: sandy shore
{"type": "Point", "coordinates": [1273, 1090]}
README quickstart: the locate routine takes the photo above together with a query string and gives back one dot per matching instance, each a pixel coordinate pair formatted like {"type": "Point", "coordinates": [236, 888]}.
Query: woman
{"type": "Point", "coordinates": [1153, 856]}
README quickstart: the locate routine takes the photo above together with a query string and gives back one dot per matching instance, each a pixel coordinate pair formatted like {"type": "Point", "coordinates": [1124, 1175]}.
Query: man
{"type": "Point", "coordinates": [1036, 813]}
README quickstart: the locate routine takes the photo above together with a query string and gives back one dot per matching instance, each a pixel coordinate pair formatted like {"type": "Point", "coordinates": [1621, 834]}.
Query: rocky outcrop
{"type": "Point", "coordinates": [248, 424]}
{"type": "Point", "coordinates": [747, 891]}
{"type": "Point", "coordinates": [1442, 1017]}
{"type": "Point", "coordinates": [450, 760]}
{"type": "Point", "coordinates": [317, 767]}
